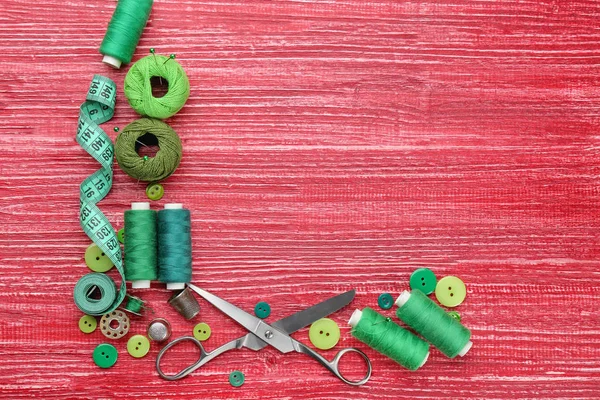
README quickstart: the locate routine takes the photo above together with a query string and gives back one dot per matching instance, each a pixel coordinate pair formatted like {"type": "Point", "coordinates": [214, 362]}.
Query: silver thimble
{"type": "Point", "coordinates": [159, 330]}
{"type": "Point", "coordinates": [185, 303]}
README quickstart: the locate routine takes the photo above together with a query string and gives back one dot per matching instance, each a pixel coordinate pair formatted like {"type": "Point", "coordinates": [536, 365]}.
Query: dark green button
{"type": "Point", "coordinates": [262, 310]}
{"type": "Point", "coordinates": [423, 279]}
{"type": "Point", "coordinates": [155, 191]}
{"type": "Point", "coordinates": [105, 355]}
{"type": "Point", "coordinates": [236, 378]}
{"type": "Point", "coordinates": [385, 301]}
{"type": "Point", "coordinates": [454, 315]}
{"type": "Point", "coordinates": [121, 235]}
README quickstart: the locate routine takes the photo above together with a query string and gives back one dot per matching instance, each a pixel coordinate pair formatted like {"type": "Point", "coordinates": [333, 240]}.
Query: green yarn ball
{"type": "Point", "coordinates": [138, 86]}
{"type": "Point", "coordinates": [148, 132]}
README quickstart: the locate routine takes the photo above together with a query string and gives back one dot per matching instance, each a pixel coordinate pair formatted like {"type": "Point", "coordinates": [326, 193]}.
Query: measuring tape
{"type": "Point", "coordinates": [98, 108]}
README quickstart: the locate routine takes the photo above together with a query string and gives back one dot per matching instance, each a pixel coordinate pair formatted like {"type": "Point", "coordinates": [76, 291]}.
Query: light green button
{"type": "Point", "coordinates": [454, 315]}
{"type": "Point", "coordinates": [138, 346]}
{"type": "Point", "coordinates": [450, 291]}
{"type": "Point", "coordinates": [155, 191]}
{"type": "Point", "coordinates": [423, 279]}
{"type": "Point", "coordinates": [87, 324]}
{"type": "Point", "coordinates": [105, 355]}
{"type": "Point", "coordinates": [121, 235]}
{"type": "Point", "coordinates": [96, 260]}
{"type": "Point", "coordinates": [324, 334]}
{"type": "Point", "coordinates": [202, 331]}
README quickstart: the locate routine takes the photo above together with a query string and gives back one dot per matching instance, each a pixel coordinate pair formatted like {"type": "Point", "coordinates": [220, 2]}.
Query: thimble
{"type": "Point", "coordinates": [185, 303]}
{"type": "Point", "coordinates": [159, 330]}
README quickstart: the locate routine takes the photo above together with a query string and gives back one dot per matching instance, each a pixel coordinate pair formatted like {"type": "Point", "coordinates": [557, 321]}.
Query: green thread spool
{"type": "Point", "coordinates": [148, 132]}
{"type": "Point", "coordinates": [134, 305]}
{"type": "Point", "coordinates": [148, 71]}
{"type": "Point", "coordinates": [389, 338]}
{"type": "Point", "coordinates": [124, 31]}
{"type": "Point", "coordinates": [433, 323]}
{"type": "Point", "coordinates": [141, 260]}
{"type": "Point", "coordinates": [95, 285]}
{"type": "Point", "coordinates": [174, 246]}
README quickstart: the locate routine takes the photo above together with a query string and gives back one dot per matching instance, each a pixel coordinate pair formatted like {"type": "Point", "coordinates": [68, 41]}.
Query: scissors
{"type": "Point", "coordinates": [262, 335]}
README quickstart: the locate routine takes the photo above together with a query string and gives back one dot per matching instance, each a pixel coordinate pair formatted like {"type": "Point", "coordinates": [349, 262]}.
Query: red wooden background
{"type": "Point", "coordinates": [328, 145]}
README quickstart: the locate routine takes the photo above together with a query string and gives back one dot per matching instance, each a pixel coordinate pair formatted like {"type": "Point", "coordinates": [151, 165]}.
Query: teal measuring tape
{"type": "Point", "coordinates": [98, 108]}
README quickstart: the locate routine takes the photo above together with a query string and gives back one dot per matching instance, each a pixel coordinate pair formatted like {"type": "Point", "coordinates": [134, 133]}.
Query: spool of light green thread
{"type": "Point", "coordinates": [149, 70]}
{"type": "Point", "coordinates": [388, 338]}
{"type": "Point", "coordinates": [148, 132]}
{"type": "Point", "coordinates": [124, 31]}
{"type": "Point", "coordinates": [433, 323]}
{"type": "Point", "coordinates": [174, 246]}
{"type": "Point", "coordinates": [95, 293]}
{"type": "Point", "coordinates": [141, 261]}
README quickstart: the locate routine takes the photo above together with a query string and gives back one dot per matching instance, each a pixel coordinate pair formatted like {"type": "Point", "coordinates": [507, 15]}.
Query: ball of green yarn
{"type": "Point", "coordinates": [138, 86]}
{"type": "Point", "coordinates": [148, 132]}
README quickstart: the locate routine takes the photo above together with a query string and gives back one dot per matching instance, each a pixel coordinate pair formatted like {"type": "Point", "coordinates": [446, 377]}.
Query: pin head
{"type": "Point", "coordinates": [116, 128]}
{"type": "Point", "coordinates": [152, 50]}
{"type": "Point", "coordinates": [145, 158]}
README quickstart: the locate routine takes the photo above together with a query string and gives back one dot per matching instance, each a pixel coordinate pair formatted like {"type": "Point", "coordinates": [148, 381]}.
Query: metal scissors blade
{"type": "Point", "coordinates": [264, 331]}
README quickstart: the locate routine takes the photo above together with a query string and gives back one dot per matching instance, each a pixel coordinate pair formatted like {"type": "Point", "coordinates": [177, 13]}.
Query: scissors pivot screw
{"type": "Point", "coordinates": [268, 334]}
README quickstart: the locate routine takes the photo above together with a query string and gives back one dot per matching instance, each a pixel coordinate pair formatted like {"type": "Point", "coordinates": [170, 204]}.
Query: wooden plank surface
{"type": "Point", "coordinates": [328, 145]}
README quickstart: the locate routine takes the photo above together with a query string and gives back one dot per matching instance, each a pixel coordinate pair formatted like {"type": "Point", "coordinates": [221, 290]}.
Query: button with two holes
{"type": "Point", "coordinates": [324, 334]}
{"type": "Point", "coordinates": [138, 346]}
{"type": "Point", "coordinates": [121, 235]}
{"type": "Point", "coordinates": [454, 315]}
{"type": "Point", "coordinates": [262, 309]}
{"type": "Point", "coordinates": [96, 260]}
{"type": "Point", "coordinates": [202, 331]}
{"type": "Point", "coordinates": [423, 279]}
{"type": "Point", "coordinates": [450, 291]}
{"type": "Point", "coordinates": [236, 378]}
{"type": "Point", "coordinates": [385, 301]}
{"type": "Point", "coordinates": [105, 355]}
{"type": "Point", "coordinates": [88, 324]}
{"type": "Point", "coordinates": [155, 191]}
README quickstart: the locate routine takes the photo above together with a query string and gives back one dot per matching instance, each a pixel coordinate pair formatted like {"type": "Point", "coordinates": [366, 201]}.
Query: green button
{"type": "Point", "coordinates": [155, 191]}
{"type": "Point", "coordinates": [385, 301]}
{"type": "Point", "coordinates": [324, 334]}
{"type": "Point", "coordinates": [454, 315]}
{"type": "Point", "coordinates": [423, 279]}
{"type": "Point", "coordinates": [202, 331]}
{"type": "Point", "coordinates": [105, 355]}
{"type": "Point", "coordinates": [236, 378]}
{"type": "Point", "coordinates": [262, 309]}
{"type": "Point", "coordinates": [450, 291]}
{"type": "Point", "coordinates": [88, 324]}
{"type": "Point", "coordinates": [121, 235]}
{"type": "Point", "coordinates": [138, 346]}
{"type": "Point", "coordinates": [96, 260]}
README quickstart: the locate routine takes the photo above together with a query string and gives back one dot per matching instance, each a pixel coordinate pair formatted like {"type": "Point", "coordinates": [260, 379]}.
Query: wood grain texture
{"type": "Point", "coordinates": [328, 145]}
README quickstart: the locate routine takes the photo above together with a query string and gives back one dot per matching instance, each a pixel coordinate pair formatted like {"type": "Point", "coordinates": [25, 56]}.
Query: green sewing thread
{"type": "Point", "coordinates": [95, 285]}
{"type": "Point", "coordinates": [434, 324]}
{"type": "Point", "coordinates": [124, 31]}
{"type": "Point", "coordinates": [98, 108]}
{"type": "Point", "coordinates": [138, 86]}
{"type": "Point", "coordinates": [174, 246]}
{"type": "Point", "coordinates": [140, 245]}
{"type": "Point", "coordinates": [148, 132]}
{"type": "Point", "coordinates": [134, 305]}
{"type": "Point", "coordinates": [390, 339]}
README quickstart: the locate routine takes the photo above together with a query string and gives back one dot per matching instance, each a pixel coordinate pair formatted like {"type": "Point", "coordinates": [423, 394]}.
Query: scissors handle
{"type": "Point", "coordinates": [333, 365]}
{"type": "Point", "coordinates": [203, 359]}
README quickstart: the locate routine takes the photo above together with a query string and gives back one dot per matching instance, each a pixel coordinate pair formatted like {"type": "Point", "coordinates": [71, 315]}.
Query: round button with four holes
{"type": "Point", "coordinates": [138, 346]}
{"type": "Point", "coordinates": [96, 260]}
{"type": "Point", "coordinates": [236, 378]}
{"type": "Point", "coordinates": [324, 334]}
{"type": "Point", "coordinates": [423, 279]}
{"type": "Point", "coordinates": [450, 291]}
{"type": "Point", "coordinates": [202, 331]}
{"type": "Point", "coordinates": [262, 309]}
{"type": "Point", "coordinates": [88, 324]}
{"type": "Point", "coordinates": [105, 355]}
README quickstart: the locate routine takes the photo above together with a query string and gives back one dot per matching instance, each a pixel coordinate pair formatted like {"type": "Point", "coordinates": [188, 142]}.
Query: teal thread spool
{"type": "Point", "coordinates": [174, 246]}
{"type": "Point", "coordinates": [124, 31]}
{"type": "Point", "coordinates": [389, 338]}
{"type": "Point", "coordinates": [95, 293]}
{"type": "Point", "coordinates": [141, 260]}
{"type": "Point", "coordinates": [433, 323]}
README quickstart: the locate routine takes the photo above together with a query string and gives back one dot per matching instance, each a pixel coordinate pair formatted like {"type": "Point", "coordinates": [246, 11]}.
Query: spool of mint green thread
{"type": "Point", "coordinates": [174, 246]}
{"type": "Point", "coordinates": [429, 320]}
{"type": "Point", "coordinates": [141, 260]}
{"type": "Point", "coordinates": [389, 339]}
{"type": "Point", "coordinates": [124, 31]}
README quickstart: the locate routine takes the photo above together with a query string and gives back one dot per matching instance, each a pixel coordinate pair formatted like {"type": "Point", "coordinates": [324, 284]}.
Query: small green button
{"type": "Point", "coordinates": [450, 291]}
{"type": "Point", "coordinates": [202, 331]}
{"type": "Point", "coordinates": [105, 355]}
{"type": "Point", "coordinates": [155, 191]}
{"type": "Point", "coordinates": [385, 301]}
{"type": "Point", "coordinates": [88, 324]}
{"type": "Point", "coordinates": [454, 315]}
{"type": "Point", "coordinates": [138, 346]}
{"type": "Point", "coordinates": [121, 235]}
{"type": "Point", "coordinates": [324, 334]}
{"type": "Point", "coordinates": [262, 309]}
{"type": "Point", "coordinates": [236, 378]}
{"type": "Point", "coordinates": [423, 279]}
{"type": "Point", "coordinates": [96, 260]}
